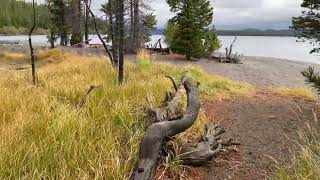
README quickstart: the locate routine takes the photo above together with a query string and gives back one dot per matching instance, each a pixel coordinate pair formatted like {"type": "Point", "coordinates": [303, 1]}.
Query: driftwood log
{"type": "Point", "coordinates": [169, 121]}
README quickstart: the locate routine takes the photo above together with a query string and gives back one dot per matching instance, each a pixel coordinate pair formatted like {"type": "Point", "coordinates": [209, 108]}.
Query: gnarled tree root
{"type": "Point", "coordinates": [170, 121]}
{"type": "Point", "coordinates": [209, 147]}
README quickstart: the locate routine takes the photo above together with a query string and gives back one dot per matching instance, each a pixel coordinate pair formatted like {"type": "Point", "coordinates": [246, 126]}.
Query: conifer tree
{"type": "Point", "coordinates": [191, 22]}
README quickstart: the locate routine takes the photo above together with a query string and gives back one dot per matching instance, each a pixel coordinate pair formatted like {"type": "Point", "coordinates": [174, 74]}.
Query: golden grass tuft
{"type": "Point", "coordinates": [52, 55]}
{"type": "Point", "coordinates": [44, 136]}
{"type": "Point", "coordinates": [297, 92]}
{"type": "Point", "coordinates": [11, 55]}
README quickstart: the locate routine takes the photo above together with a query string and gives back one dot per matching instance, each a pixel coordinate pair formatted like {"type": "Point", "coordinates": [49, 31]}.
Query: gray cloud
{"type": "Point", "coordinates": [239, 14]}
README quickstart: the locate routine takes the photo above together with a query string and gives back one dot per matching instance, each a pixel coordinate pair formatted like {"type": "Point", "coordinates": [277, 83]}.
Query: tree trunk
{"type": "Point", "coordinates": [33, 57]}
{"type": "Point", "coordinates": [76, 37]}
{"type": "Point", "coordinates": [111, 22]}
{"type": "Point", "coordinates": [121, 41]}
{"type": "Point", "coordinates": [136, 27]}
{"type": "Point", "coordinates": [86, 28]}
{"type": "Point", "coordinates": [116, 32]}
{"type": "Point", "coordinates": [131, 20]}
{"type": "Point", "coordinates": [64, 39]}
{"type": "Point", "coordinates": [188, 56]}
{"type": "Point", "coordinates": [52, 39]}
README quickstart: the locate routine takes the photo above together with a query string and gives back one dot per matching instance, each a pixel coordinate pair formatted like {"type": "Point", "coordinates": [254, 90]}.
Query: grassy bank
{"type": "Point", "coordinates": [44, 135]}
{"type": "Point", "coordinates": [305, 163]}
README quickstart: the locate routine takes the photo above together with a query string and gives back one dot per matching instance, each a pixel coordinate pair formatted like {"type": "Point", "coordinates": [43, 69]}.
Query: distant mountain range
{"type": "Point", "coordinates": [245, 32]}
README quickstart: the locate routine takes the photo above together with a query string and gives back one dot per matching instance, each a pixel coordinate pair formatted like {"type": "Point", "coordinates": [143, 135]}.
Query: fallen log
{"type": "Point", "coordinates": [169, 121]}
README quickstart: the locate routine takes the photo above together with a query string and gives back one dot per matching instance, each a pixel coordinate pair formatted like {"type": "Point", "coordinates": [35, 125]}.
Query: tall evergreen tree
{"type": "Point", "coordinates": [192, 20]}
{"type": "Point", "coordinates": [138, 24]}
{"type": "Point", "coordinates": [307, 26]}
{"type": "Point", "coordinates": [59, 25]}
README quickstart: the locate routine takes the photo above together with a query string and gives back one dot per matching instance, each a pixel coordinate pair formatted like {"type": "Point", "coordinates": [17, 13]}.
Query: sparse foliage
{"type": "Point", "coordinates": [307, 26]}
{"type": "Point", "coordinates": [312, 77]}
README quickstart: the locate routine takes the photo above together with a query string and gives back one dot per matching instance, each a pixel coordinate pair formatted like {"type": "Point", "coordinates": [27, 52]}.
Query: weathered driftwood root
{"type": "Point", "coordinates": [156, 134]}
{"type": "Point", "coordinates": [169, 121]}
{"type": "Point", "coordinates": [209, 147]}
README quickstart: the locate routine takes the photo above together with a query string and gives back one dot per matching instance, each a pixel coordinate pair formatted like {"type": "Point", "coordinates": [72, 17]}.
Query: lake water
{"type": "Point", "coordinates": [276, 47]}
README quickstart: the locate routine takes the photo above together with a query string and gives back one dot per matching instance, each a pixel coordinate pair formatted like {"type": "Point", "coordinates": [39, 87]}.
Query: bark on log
{"type": "Point", "coordinates": [157, 133]}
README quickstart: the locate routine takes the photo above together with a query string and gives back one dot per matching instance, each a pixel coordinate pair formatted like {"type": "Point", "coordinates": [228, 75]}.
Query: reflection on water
{"type": "Point", "coordinates": [276, 47]}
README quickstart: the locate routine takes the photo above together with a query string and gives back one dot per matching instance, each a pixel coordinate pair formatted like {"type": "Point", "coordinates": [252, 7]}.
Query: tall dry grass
{"type": "Point", "coordinates": [306, 163]}
{"type": "Point", "coordinates": [44, 136]}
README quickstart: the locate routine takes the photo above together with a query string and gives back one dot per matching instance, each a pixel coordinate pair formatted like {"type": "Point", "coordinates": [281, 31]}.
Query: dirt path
{"type": "Point", "coordinates": [265, 124]}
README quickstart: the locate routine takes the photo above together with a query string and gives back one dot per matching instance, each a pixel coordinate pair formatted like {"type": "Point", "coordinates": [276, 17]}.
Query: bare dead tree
{"type": "Point", "coordinates": [98, 33]}
{"type": "Point", "coordinates": [32, 54]}
{"type": "Point", "coordinates": [229, 50]}
{"type": "Point", "coordinates": [170, 121]}
{"type": "Point", "coordinates": [229, 56]}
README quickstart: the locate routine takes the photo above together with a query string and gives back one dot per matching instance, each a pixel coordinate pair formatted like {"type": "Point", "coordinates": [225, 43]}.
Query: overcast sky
{"type": "Point", "coordinates": [239, 14]}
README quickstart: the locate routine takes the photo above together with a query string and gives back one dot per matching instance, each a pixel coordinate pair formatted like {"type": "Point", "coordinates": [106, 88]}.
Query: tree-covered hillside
{"type": "Point", "coordinates": [15, 16]}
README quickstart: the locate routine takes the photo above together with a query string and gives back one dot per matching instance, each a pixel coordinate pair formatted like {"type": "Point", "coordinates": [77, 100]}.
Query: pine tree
{"type": "Point", "coordinates": [307, 26]}
{"type": "Point", "coordinates": [140, 22]}
{"type": "Point", "coordinates": [59, 26]}
{"type": "Point", "coordinates": [191, 24]}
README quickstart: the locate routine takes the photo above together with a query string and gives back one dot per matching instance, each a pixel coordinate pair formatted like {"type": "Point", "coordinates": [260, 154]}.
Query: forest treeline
{"type": "Point", "coordinates": [16, 17]}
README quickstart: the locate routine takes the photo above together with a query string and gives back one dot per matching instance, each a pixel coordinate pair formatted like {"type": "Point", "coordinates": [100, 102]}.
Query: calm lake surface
{"type": "Point", "coordinates": [276, 47]}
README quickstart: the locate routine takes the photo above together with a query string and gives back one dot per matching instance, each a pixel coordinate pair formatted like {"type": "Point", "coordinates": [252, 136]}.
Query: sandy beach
{"type": "Point", "coordinates": [259, 71]}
